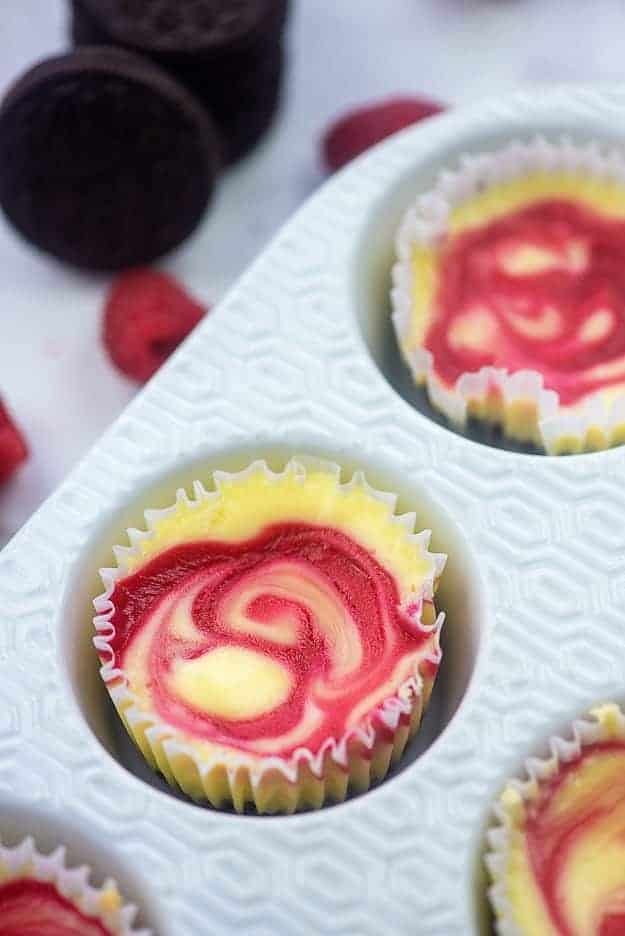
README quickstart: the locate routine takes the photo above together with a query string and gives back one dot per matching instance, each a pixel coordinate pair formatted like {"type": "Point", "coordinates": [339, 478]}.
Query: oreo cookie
{"type": "Point", "coordinates": [174, 30]}
{"type": "Point", "coordinates": [105, 161]}
{"type": "Point", "coordinates": [241, 93]}
{"type": "Point", "coordinates": [229, 54]}
{"type": "Point", "coordinates": [84, 29]}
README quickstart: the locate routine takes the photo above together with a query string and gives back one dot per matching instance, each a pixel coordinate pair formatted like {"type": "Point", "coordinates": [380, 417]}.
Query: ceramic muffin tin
{"type": "Point", "coordinates": [300, 357]}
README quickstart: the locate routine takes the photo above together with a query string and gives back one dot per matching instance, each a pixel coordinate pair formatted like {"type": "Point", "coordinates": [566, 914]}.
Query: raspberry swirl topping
{"type": "Point", "coordinates": [558, 858]}
{"type": "Point", "coordinates": [271, 644]}
{"type": "Point", "coordinates": [576, 843]}
{"type": "Point", "coordinates": [541, 289]}
{"type": "Point", "coordinates": [266, 639]}
{"type": "Point", "coordinates": [36, 908]}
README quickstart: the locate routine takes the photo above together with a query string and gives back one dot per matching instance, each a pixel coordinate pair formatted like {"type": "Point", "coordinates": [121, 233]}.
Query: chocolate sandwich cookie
{"type": "Point", "coordinates": [176, 31]}
{"type": "Point", "coordinates": [241, 93]}
{"type": "Point", "coordinates": [84, 30]}
{"type": "Point", "coordinates": [105, 161]}
{"type": "Point", "coordinates": [229, 55]}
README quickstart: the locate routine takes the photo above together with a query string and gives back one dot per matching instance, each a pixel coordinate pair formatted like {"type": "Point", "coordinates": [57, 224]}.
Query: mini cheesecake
{"type": "Point", "coordinates": [272, 642]}
{"type": "Point", "coordinates": [558, 851]}
{"type": "Point", "coordinates": [509, 294]}
{"type": "Point", "coordinates": [40, 896]}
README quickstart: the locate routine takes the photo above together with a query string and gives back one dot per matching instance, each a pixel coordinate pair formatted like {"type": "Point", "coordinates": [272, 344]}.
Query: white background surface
{"type": "Point", "coordinates": [53, 371]}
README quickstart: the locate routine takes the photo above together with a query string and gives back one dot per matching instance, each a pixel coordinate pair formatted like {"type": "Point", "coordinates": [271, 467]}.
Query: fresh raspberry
{"type": "Point", "coordinates": [351, 135]}
{"type": "Point", "coordinates": [146, 316]}
{"type": "Point", "coordinates": [13, 447]}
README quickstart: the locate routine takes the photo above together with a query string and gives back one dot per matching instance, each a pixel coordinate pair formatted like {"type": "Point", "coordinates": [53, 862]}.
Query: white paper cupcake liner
{"type": "Point", "coordinates": [594, 423]}
{"type": "Point", "coordinates": [238, 777]}
{"type": "Point", "coordinates": [604, 723]}
{"type": "Point", "coordinates": [103, 903]}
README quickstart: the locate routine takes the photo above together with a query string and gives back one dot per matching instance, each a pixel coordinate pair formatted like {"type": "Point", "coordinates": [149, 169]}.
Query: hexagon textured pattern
{"type": "Point", "coordinates": [282, 361]}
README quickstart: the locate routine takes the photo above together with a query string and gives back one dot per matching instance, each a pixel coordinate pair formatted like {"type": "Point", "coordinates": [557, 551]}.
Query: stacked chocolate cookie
{"type": "Point", "coordinates": [109, 154]}
{"type": "Point", "coordinates": [228, 53]}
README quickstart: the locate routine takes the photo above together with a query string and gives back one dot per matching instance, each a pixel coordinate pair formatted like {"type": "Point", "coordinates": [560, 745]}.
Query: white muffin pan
{"type": "Point", "coordinates": [300, 357]}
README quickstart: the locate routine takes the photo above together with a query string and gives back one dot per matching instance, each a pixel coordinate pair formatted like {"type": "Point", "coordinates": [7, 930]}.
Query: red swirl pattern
{"type": "Point", "coordinates": [35, 908]}
{"type": "Point", "coordinates": [568, 820]}
{"type": "Point", "coordinates": [565, 319]}
{"type": "Point", "coordinates": [307, 597]}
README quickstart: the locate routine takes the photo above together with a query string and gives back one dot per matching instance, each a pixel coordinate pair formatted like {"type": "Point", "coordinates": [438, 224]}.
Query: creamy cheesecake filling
{"type": "Point", "coordinates": [272, 643]}
{"type": "Point", "coordinates": [30, 907]}
{"type": "Point", "coordinates": [566, 869]}
{"type": "Point", "coordinates": [540, 288]}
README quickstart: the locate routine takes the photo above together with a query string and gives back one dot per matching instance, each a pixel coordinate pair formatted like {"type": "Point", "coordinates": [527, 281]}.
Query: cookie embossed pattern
{"type": "Point", "coordinates": [295, 359]}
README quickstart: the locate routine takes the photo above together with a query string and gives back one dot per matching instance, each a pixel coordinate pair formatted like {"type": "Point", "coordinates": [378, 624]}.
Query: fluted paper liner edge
{"type": "Point", "coordinates": [104, 903]}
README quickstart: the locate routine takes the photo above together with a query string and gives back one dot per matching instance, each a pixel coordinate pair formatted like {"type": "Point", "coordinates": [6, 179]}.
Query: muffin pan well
{"type": "Point", "coordinates": [461, 594]}
{"type": "Point", "coordinates": [294, 360]}
{"type": "Point", "coordinates": [49, 829]}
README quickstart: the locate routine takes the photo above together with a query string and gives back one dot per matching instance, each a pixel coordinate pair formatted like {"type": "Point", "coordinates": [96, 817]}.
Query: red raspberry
{"type": "Point", "coordinates": [147, 315]}
{"type": "Point", "coordinates": [351, 135]}
{"type": "Point", "coordinates": [13, 447]}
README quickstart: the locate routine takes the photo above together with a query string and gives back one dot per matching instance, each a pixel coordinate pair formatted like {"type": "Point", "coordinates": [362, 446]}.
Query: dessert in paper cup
{"type": "Point", "coordinates": [509, 293]}
{"type": "Point", "coordinates": [557, 852]}
{"type": "Point", "coordinates": [40, 895]}
{"type": "Point", "coordinates": [272, 643]}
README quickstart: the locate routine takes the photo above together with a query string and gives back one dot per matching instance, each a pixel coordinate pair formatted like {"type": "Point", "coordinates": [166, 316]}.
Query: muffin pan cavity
{"type": "Point", "coordinates": [375, 255]}
{"type": "Point", "coordinates": [461, 595]}
{"type": "Point", "coordinates": [295, 360]}
{"type": "Point", "coordinates": [52, 828]}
